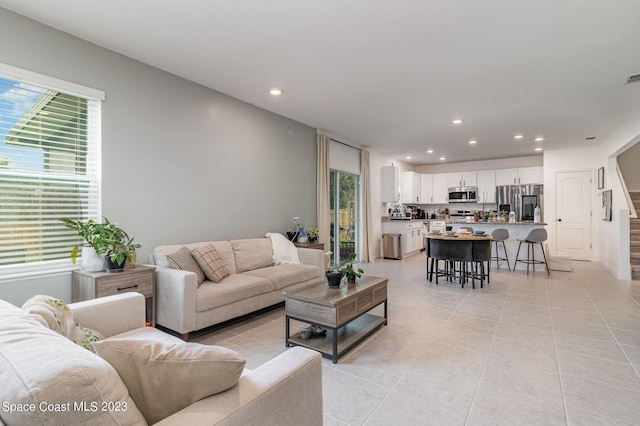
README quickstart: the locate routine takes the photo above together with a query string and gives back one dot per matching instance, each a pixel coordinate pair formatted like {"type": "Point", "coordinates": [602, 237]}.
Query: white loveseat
{"type": "Point", "coordinates": [46, 379]}
{"type": "Point", "coordinates": [254, 283]}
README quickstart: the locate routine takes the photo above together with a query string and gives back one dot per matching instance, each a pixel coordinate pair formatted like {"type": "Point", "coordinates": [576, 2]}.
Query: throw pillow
{"type": "Point", "coordinates": [163, 378]}
{"type": "Point", "coordinates": [182, 259]}
{"type": "Point", "coordinates": [39, 365]}
{"type": "Point", "coordinates": [59, 318]}
{"type": "Point", "coordinates": [211, 263]}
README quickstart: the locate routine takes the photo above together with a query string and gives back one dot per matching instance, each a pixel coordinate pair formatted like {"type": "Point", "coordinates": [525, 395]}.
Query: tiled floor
{"type": "Point", "coordinates": [523, 350]}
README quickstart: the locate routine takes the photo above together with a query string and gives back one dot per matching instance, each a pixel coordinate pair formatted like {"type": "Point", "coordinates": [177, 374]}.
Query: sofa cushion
{"type": "Point", "coordinates": [282, 276]}
{"type": "Point", "coordinates": [163, 378]}
{"type": "Point", "coordinates": [59, 318]}
{"type": "Point", "coordinates": [222, 247]}
{"type": "Point", "coordinates": [252, 253]}
{"type": "Point", "coordinates": [182, 259]}
{"type": "Point", "coordinates": [39, 366]}
{"type": "Point", "coordinates": [233, 288]}
{"type": "Point", "coordinates": [210, 262]}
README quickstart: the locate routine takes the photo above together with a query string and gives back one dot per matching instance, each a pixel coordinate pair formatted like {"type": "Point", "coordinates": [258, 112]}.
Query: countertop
{"type": "Point", "coordinates": [464, 222]}
{"type": "Point", "coordinates": [522, 223]}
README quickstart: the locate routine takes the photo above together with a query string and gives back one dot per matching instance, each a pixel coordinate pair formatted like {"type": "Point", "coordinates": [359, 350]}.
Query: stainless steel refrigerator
{"type": "Point", "coordinates": [522, 199]}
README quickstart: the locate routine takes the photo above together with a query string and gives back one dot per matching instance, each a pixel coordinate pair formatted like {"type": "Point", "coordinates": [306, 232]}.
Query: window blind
{"type": "Point", "coordinates": [49, 169]}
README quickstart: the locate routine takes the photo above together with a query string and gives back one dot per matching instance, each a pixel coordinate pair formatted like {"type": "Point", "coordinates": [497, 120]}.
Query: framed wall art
{"type": "Point", "coordinates": [601, 178]}
{"type": "Point", "coordinates": [606, 205]}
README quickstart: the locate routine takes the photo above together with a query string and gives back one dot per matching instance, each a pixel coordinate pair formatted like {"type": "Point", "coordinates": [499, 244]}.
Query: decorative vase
{"type": "Point", "coordinates": [351, 279]}
{"type": "Point", "coordinates": [292, 236]}
{"type": "Point", "coordinates": [333, 279]}
{"type": "Point", "coordinates": [91, 262]}
{"type": "Point", "coordinates": [113, 266]}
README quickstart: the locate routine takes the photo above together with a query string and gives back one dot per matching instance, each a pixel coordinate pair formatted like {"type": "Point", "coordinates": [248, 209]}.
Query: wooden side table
{"type": "Point", "coordinates": [142, 279]}
{"type": "Point", "coordinates": [315, 246]}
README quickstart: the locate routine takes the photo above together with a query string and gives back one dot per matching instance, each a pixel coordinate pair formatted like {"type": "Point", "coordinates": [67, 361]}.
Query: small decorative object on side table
{"type": "Point", "coordinates": [142, 279]}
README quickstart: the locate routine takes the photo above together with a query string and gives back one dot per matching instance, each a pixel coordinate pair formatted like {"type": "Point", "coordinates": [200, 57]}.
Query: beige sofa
{"type": "Point", "coordinates": [49, 380]}
{"type": "Point", "coordinates": [254, 283]}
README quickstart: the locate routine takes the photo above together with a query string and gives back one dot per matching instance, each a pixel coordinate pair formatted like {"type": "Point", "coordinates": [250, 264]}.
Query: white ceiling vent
{"type": "Point", "coordinates": [633, 79]}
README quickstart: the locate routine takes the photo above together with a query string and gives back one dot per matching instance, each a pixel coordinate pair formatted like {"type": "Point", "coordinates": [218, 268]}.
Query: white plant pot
{"type": "Point", "coordinates": [91, 262]}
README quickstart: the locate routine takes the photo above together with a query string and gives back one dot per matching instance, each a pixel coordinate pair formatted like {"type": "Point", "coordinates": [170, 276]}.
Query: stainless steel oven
{"type": "Point", "coordinates": [464, 194]}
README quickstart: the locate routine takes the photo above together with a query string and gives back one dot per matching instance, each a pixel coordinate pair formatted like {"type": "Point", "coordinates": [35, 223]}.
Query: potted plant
{"type": "Point", "coordinates": [91, 256]}
{"type": "Point", "coordinates": [117, 245]}
{"type": "Point", "coordinates": [338, 270]}
{"type": "Point", "coordinates": [313, 235]}
{"type": "Point", "coordinates": [350, 271]}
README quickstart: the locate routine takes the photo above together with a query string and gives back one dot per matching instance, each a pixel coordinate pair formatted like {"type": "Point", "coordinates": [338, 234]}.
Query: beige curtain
{"type": "Point", "coordinates": [367, 233]}
{"type": "Point", "coordinates": [322, 193]}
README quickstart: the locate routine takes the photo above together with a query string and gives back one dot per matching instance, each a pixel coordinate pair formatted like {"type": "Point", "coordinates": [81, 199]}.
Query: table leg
{"type": "Point", "coordinates": [335, 345]}
{"type": "Point", "coordinates": [286, 331]}
{"type": "Point", "coordinates": [385, 312]}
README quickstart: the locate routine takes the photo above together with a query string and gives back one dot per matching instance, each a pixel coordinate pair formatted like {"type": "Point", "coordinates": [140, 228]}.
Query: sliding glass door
{"type": "Point", "coordinates": [344, 210]}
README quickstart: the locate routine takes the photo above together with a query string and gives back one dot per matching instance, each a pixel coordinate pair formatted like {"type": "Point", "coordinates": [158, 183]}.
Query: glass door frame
{"type": "Point", "coordinates": [334, 239]}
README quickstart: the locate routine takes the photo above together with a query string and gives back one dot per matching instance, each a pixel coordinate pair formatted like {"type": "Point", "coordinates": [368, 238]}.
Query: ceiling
{"type": "Point", "coordinates": [392, 76]}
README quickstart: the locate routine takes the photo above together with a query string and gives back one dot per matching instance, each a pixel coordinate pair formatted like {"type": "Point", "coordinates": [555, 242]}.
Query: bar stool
{"type": "Point", "coordinates": [536, 236]}
{"type": "Point", "coordinates": [499, 235]}
{"type": "Point", "coordinates": [481, 254]}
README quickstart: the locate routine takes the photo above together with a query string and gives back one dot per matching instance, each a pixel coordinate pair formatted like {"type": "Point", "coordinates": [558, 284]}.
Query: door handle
{"type": "Point", "coordinates": [559, 220]}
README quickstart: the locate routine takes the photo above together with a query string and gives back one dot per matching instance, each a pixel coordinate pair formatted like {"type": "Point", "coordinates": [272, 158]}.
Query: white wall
{"type": "Point", "coordinates": [610, 239]}
{"type": "Point", "coordinates": [613, 250]}
{"type": "Point", "coordinates": [181, 162]}
{"type": "Point", "coordinates": [569, 160]}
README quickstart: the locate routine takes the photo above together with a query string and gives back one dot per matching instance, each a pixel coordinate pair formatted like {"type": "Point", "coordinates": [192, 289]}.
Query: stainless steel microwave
{"type": "Point", "coordinates": [464, 194]}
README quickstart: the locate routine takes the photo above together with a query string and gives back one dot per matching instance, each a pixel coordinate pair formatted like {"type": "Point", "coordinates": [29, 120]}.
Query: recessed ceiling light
{"type": "Point", "coordinates": [429, 151]}
{"type": "Point", "coordinates": [472, 142]}
{"type": "Point", "coordinates": [442, 158]}
{"type": "Point", "coordinates": [276, 92]}
{"type": "Point", "coordinates": [539, 149]}
{"type": "Point", "coordinates": [408, 157]}
{"type": "Point", "coordinates": [518, 137]}
{"type": "Point", "coordinates": [538, 139]}
{"type": "Point", "coordinates": [457, 121]}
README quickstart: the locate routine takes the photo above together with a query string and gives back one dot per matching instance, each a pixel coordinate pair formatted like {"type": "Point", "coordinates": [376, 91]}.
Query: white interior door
{"type": "Point", "coordinates": [573, 214]}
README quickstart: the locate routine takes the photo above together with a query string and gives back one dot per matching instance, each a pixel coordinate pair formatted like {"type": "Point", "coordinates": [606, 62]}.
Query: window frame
{"type": "Point", "coordinates": [94, 99]}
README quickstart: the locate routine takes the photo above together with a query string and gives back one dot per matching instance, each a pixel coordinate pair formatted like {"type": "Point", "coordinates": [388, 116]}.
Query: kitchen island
{"type": "Point", "coordinates": [517, 230]}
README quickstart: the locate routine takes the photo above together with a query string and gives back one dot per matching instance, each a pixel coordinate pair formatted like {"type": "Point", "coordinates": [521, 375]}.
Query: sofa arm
{"type": "Point", "coordinates": [111, 315]}
{"type": "Point", "coordinates": [313, 257]}
{"type": "Point", "coordinates": [286, 390]}
{"type": "Point", "coordinates": [176, 299]}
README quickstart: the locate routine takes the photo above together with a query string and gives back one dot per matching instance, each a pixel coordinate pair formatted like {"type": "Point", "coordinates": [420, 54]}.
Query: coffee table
{"type": "Point", "coordinates": [343, 311]}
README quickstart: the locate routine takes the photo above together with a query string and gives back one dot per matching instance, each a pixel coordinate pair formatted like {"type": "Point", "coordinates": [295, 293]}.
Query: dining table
{"type": "Point", "coordinates": [459, 251]}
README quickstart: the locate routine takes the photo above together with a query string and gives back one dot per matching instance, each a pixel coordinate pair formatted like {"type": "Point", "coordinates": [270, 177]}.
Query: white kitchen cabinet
{"type": "Point", "coordinates": [529, 175]}
{"type": "Point", "coordinates": [507, 177]}
{"type": "Point", "coordinates": [440, 188]}
{"type": "Point", "coordinates": [389, 192]}
{"type": "Point", "coordinates": [410, 188]}
{"type": "Point", "coordinates": [413, 238]}
{"type": "Point", "coordinates": [426, 189]}
{"type": "Point", "coordinates": [487, 186]}
{"type": "Point", "coordinates": [521, 176]}
{"type": "Point", "coordinates": [461, 179]}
